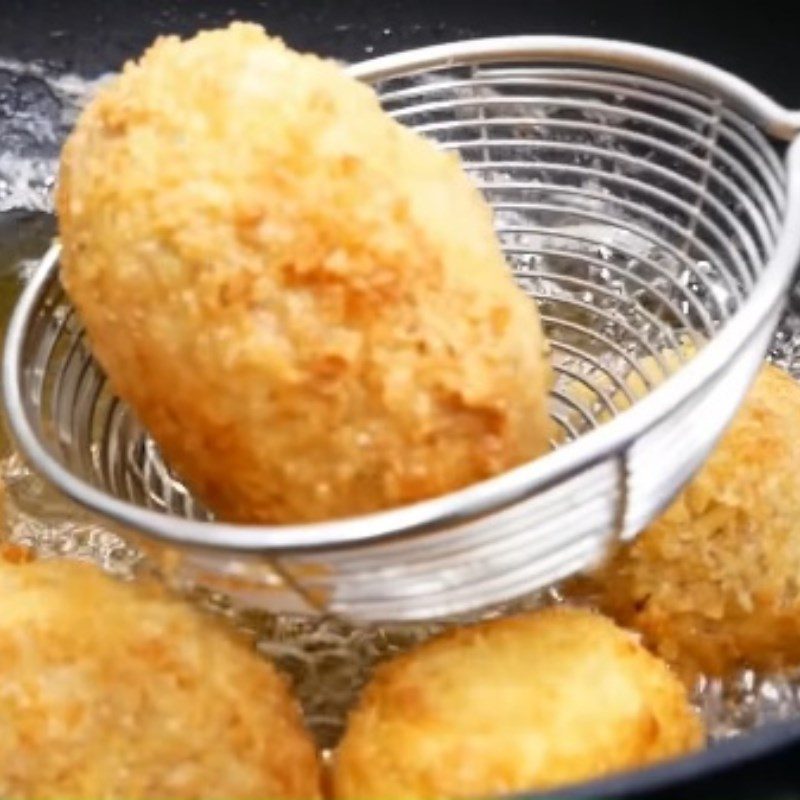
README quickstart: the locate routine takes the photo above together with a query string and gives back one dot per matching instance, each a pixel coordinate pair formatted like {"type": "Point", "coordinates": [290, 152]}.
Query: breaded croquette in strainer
{"type": "Point", "coordinates": [302, 300]}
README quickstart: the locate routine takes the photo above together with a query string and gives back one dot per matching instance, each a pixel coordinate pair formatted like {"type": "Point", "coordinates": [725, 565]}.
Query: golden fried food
{"type": "Point", "coordinates": [302, 300]}
{"type": "Point", "coordinates": [110, 690]}
{"type": "Point", "coordinates": [533, 701]}
{"type": "Point", "coordinates": [714, 583]}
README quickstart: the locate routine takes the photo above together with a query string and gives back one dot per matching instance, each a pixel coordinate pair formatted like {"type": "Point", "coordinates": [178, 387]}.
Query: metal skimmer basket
{"type": "Point", "coordinates": [642, 198]}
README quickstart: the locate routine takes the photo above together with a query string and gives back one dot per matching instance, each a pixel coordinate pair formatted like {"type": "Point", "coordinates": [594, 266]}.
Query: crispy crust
{"type": "Point", "coordinates": [303, 301]}
{"type": "Point", "coordinates": [534, 701]}
{"type": "Point", "coordinates": [713, 584]}
{"type": "Point", "coordinates": [109, 690]}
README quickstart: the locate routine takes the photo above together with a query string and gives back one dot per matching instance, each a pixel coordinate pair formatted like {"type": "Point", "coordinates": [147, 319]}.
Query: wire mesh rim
{"type": "Point", "coordinates": [505, 490]}
{"type": "Point", "coordinates": [656, 62]}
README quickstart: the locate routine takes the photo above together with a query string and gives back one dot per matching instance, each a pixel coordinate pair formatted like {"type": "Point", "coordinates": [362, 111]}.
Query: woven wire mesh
{"type": "Point", "coordinates": [637, 212]}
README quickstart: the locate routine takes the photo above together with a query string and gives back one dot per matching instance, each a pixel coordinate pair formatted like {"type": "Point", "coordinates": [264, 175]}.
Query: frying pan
{"type": "Point", "coordinates": [94, 36]}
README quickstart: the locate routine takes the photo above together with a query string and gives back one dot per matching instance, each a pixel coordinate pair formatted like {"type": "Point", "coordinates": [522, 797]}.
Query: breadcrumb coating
{"type": "Point", "coordinates": [714, 583]}
{"type": "Point", "coordinates": [528, 702]}
{"type": "Point", "coordinates": [302, 300]}
{"type": "Point", "coordinates": [110, 690]}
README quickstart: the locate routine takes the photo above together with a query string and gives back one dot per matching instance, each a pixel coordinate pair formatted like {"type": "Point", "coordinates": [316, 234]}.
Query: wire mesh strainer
{"type": "Point", "coordinates": [642, 198]}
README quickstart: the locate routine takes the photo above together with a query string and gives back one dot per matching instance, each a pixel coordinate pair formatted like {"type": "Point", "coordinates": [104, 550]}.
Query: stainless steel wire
{"type": "Point", "coordinates": [638, 196]}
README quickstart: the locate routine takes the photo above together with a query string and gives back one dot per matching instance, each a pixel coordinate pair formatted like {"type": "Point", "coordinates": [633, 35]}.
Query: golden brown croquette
{"type": "Point", "coordinates": [112, 690]}
{"type": "Point", "coordinates": [714, 583]}
{"type": "Point", "coordinates": [302, 300]}
{"type": "Point", "coordinates": [528, 702]}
